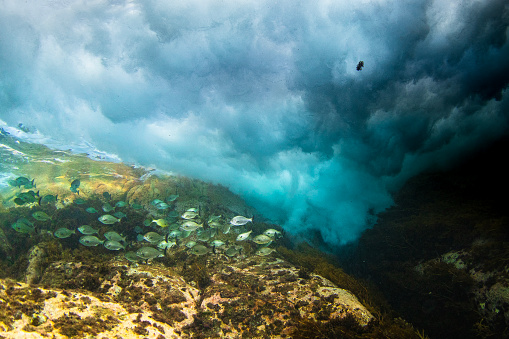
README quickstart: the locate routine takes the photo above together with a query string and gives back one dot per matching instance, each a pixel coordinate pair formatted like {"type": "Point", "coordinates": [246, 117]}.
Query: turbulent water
{"type": "Point", "coordinates": [262, 96]}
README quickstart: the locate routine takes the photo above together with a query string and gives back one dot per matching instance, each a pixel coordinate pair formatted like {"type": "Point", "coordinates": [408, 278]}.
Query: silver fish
{"type": "Point", "coordinates": [153, 237]}
{"type": "Point", "coordinates": [233, 251]}
{"type": "Point", "coordinates": [107, 207]}
{"type": "Point", "coordinates": [199, 250]}
{"type": "Point", "coordinates": [204, 235]}
{"type": "Point", "coordinates": [166, 244]}
{"type": "Point", "coordinates": [265, 251]}
{"type": "Point", "coordinates": [190, 226]}
{"type": "Point", "coordinates": [108, 219]}
{"type": "Point", "coordinates": [262, 239]}
{"type": "Point", "coordinates": [243, 236]}
{"type": "Point", "coordinates": [149, 253]}
{"type": "Point", "coordinates": [87, 230]}
{"type": "Point", "coordinates": [90, 240]}
{"type": "Point", "coordinates": [271, 232]}
{"type": "Point", "coordinates": [114, 236]}
{"type": "Point", "coordinates": [240, 220]}
{"type": "Point", "coordinates": [131, 256]}
{"type": "Point", "coordinates": [63, 233]}
{"type": "Point", "coordinates": [113, 245]}
{"type": "Point", "coordinates": [190, 244]}
{"type": "Point", "coordinates": [217, 243]}
{"type": "Point", "coordinates": [214, 218]}
{"type": "Point", "coordinates": [189, 215]}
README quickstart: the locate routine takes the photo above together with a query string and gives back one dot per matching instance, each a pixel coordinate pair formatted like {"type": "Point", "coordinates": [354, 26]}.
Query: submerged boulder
{"type": "Point", "coordinates": [249, 297]}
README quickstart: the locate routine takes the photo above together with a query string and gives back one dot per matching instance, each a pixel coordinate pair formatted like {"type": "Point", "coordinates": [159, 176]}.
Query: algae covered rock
{"type": "Point", "coordinates": [251, 297]}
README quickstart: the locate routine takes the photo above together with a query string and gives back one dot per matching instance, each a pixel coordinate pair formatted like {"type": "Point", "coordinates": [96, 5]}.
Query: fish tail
{"type": "Point", "coordinates": [40, 198]}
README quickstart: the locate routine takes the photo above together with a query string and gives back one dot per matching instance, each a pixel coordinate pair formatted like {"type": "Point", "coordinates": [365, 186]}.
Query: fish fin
{"type": "Point", "coordinates": [40, 198]}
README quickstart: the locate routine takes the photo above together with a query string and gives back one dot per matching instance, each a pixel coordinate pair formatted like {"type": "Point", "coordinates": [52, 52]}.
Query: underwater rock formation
{"type": "Point", "coordinates": [259, 297]}
{"type": "Point", "coordinates": [35, 260]}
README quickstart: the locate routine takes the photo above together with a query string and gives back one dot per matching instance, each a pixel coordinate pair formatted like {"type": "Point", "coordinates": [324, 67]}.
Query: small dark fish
{"type": "Point", "coordinates": [360, 65]}
{"type": "Point", "coordinates": [107, 195]}
{"type": "Point", "coordinates": [76, 183]}
{"type": "Point", "coordinates": [74, 186]}
{"type": "Point", "coordinates": [80, 201]}
{"type": "Point", "coordinates": [48, 199]}
{"type": "Point", "coordinates": [22, 181]}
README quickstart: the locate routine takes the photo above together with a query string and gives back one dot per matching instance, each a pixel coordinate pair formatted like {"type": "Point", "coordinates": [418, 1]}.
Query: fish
{"type": "Point", "coordinates": [120, 204]}
{"type": "Point", "coordinates": [173, 214]}
{"type": "Point", "coordinates": [192, 209]}
{"type": "Point", "coordinates": [90, 240]}
{"type": "Point", "coordinates": [114, 236]}
{"type": "Point", "coordinates": [199, 250]}
{"type": "Point", "coordinates": [271, 232]}
{"type": "Point", "coordinates": [265, 251]}
{"type": "Point", "coordinates": [136, 206]}
{"type": "Point", "coordinates": [204, 235]}
{"type": "Point", "coordinates": [217, 243]}
{"type": "Point", "coordinates": [48, 199]}
{"type": "Point", "coordinates": [226, 228]}
{"type": "Point", "coordinates": [162, 206]}
{"type": "Point", "coordinates": [189, 215]}
{"type": "Point", "coordinates": [119, 215]}
{"type": "Point", "coordinates": [80, 201]}
{"type": "Point", "coordinates": [233, 251]}
{"type": "Point", "coordinates": [213, 218]}
{"type": "Point", "coordinates": [74, 186]}
{"type": "Point", "coordinates": [76, 183]}
{"type": "Point", "coordinates": [166, 244]}
{"type": "Point", "coordinates": [240, 220]}
{"type": "Point", "coordinates": [174, 234]}
{"type": "Point", "coordinates": [113, 245]}
{"type": "Point", "coordinates": [22, 181]}
{"type": "Point", "coordinates": [41, 216]}
{"type": "Point", "coordinates": [172, 198]}
{"type": "Point", "coordinates": [28, 197]}
{"type": "Point", "coordinates": [19, 201]}
{"type": "Point", "coordinates": [149, 253]}
{"type": "Point", "coordinates": [107, 207]}
{"type": "Point", "coordinates": [153, 237]}
{"type": "Point", "coordinates": [63, 233]}
{"type": "Point", "coordinates": [138, 229]}
{"type": "Point", "coordinates": [108, 219]}
{"type": "Point", "coordinates": [23, 226]}
{"type": "Point", "coordinates": [185, 234]}
{"type": "Point", "coordinates": [131, 256]}
{"type": "Point", "coordinates": [214, 224]}
{"type": "Point", "coordinates": [191, 244]}
{"type": "Point", "coordinates": [262, 239]}
{"type": "Point", "coordinates": [161, 222]}
{"type": "Point", "coordinates": [87, 230]}
{"type": "Point", "coordinates": [91, 210]}
{"type": "Point", "coordinates": [190, 226]}
{"type": "Point", "coordinates": [107, 195]}
{"type": "Point", "coordinates": [156, 201]}
{"type": "Point", "coordinates": [243, 236]}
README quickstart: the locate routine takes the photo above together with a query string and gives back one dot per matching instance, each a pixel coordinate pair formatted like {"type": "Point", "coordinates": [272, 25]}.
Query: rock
{"type": "Point", "coordinates": [258, 296]}
{"type": "Point", "coordinates": [34, 270]}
